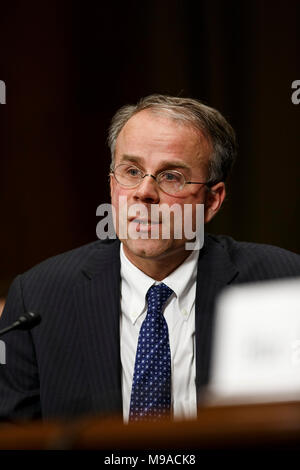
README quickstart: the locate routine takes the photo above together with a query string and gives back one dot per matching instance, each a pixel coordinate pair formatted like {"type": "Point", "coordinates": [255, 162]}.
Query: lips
{"type": "Point", "coordinates": [144, 221]}
{"type": "Point", "coordinates": [143, 225]}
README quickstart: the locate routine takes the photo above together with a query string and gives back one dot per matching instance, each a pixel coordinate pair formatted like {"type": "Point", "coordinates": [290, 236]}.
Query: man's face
{"type": "Point", "coordinates": [154, 143]}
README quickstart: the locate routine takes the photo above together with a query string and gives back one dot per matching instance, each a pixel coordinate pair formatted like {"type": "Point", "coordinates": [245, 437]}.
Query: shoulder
{"type": "Point", "coordinates": [240, 248]}
{"type": "Point", "coordinates": [62, 271]}
{"type": "Point", "coordinates": [259, 261]}
{"type": "Point", "coordinates": [74, 260]}
{"type": "Point", "coordinates": [49, 286]}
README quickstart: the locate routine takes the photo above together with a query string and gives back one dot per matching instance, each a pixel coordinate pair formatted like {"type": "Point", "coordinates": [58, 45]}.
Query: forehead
{"type": "Point", "coordinates": [151, 135]}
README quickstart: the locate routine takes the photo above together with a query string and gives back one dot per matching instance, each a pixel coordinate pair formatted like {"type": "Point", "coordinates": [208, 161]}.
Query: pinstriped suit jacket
{"type": "Point", "coordinates": [69, 365]}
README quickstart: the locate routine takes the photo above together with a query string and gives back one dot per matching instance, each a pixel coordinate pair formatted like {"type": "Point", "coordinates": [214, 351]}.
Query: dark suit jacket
{"type": "Point", "coordinates": [70, 364]}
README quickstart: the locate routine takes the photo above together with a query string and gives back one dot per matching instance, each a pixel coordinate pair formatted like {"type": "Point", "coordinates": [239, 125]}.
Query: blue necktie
{"type": "Point", "coordinates": [151, 386]}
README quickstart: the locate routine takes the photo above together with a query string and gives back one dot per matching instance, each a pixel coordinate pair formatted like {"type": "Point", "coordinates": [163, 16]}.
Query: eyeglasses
{"type": "Point", "coordinates": [169, 181]}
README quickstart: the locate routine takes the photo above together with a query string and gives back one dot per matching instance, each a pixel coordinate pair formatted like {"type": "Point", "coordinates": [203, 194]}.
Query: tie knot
{"type": "Point", "coordinates": [157, 296]}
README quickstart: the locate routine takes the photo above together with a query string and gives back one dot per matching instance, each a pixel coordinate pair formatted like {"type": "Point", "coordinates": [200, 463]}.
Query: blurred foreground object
{"type": "Point", "coordinates": [231, 428]}
{"type": "Point", "coordinates": [256, 348]}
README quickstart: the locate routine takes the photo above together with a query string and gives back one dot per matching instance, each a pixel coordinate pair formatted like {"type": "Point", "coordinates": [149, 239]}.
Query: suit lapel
{"type": "Point", "coordinates": [215, 271]}
{"type": "Point", "coordinates": [98, 306]}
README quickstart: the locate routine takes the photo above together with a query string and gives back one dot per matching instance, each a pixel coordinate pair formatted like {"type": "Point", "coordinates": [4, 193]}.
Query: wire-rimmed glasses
{"type": "Point", "coordinates": [169, 181]}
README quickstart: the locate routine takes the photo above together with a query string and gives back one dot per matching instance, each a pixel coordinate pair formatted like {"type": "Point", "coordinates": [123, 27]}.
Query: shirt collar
{"type": "Point", "coordinates": [182, 281]}
{"type": "Point", "coordinates": [132, 277]}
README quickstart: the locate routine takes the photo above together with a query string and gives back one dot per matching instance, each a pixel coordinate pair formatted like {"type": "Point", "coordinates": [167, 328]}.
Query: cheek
{"type": "Point", "coordinates": [198, 194]}
{"type": "Point", "coordinates": [116, 192]}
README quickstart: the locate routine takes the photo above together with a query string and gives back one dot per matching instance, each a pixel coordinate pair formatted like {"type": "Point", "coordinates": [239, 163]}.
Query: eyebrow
{"type": "Point", "coordinates": [166, 164]}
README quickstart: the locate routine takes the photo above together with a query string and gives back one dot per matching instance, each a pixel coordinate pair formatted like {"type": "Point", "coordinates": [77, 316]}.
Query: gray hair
{"type": "Point", "coordinates": [190, 112]}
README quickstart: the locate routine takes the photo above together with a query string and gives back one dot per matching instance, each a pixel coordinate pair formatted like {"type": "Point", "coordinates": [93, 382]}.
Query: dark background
{"type": "Point", "coordinates": [68, 66]}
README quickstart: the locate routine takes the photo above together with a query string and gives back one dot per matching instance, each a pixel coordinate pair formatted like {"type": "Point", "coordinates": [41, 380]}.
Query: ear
{"type": "Point", "coordinates": [111, 182]}
{"type": "Point", "coordinates": [214, 200]}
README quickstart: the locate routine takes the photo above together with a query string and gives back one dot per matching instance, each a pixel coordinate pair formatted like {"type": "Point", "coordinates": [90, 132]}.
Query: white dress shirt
{"type": "Point", "coordinates": [179, 313]}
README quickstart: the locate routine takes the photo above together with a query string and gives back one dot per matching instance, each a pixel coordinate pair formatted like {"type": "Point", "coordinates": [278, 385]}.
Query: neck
{"type": "Point", "coordinates": [157, 268]}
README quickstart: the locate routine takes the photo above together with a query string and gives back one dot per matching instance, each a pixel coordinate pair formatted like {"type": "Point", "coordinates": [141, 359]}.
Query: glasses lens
{"type": "Point", "coordinates": [128, 175]}
{"type": "Point", "coordinates": [171, 181]}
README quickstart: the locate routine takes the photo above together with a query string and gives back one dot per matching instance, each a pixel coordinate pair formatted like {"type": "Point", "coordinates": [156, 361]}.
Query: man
{"type": "Point", "coordinates": [2, 303]}
{"type": "Point", "coordinates": [126, 327]}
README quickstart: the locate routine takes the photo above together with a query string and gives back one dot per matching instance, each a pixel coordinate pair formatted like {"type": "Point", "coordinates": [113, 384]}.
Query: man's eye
{"type": "Point", "coordinates": [170, 177]}
{"type": "Point", "coordinates": [132, 172]}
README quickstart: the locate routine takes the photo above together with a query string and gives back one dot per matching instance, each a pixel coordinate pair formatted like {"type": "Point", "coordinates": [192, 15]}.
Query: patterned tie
{"type": "Point", "coordinates": [151, 386]}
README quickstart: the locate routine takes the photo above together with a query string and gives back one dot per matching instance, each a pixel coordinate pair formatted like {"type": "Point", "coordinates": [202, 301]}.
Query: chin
{"type": "Point", "coordinates": [147, 248]}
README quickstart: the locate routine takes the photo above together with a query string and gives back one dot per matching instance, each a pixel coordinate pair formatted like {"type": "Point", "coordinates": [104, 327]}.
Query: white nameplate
{"type": "Point", "coordinates": [256, 348]}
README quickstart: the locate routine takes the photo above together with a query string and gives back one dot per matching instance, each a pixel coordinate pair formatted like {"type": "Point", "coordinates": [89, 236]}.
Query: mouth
{"type": "Point", "coordinates": [144, 225]}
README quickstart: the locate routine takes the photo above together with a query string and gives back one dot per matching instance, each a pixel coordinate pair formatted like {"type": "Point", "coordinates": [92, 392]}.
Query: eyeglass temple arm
{"type": "Point", "coordinates": [207, 183]}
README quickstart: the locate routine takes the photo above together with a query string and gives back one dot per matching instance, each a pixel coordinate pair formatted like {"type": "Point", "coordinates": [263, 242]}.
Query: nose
{"type": "Point", "coordinates": [147, 191]}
